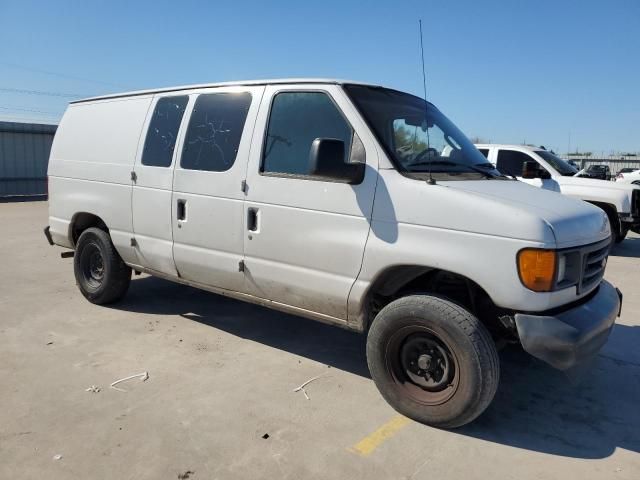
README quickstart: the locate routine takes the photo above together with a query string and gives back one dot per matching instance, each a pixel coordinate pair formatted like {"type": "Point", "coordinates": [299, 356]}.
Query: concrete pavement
{"type": "Point", "coordinates": [220, 403]}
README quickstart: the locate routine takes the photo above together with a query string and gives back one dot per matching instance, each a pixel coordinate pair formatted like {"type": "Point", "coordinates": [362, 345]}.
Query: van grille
{"type": "Point", "coordinates": [594, 262]}
{"type": "Point", "coordinates": [635, 202]}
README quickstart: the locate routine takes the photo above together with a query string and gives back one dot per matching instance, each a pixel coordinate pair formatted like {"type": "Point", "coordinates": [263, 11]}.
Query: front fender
{"type": "Point", "coordinates": [619, 199]}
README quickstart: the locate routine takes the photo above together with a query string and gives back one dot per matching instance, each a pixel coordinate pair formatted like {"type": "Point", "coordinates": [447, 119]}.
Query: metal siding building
{"type": "Point", "coordinates": [24, 155]}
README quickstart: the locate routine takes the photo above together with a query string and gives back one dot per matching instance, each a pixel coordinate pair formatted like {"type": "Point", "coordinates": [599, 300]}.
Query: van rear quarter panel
{"type": "Point", "coordinates": [90, 166]}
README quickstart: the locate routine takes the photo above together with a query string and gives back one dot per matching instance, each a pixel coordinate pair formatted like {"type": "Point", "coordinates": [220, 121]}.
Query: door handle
{"type": "Point", "coordinates": [253, 219]}
{"type": "Point", "coordinates": [181, 210]}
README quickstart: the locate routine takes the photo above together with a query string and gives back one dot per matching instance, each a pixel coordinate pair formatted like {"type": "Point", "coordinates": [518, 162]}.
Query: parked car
{"type": "Point", "coordinates": [629, 175]}
{"type": "Point", "coordinates": [335, 201]}
{"type": "Point", "coordinates": [598, 172]}
{"type": "Point", "coordinates": [543, 169]}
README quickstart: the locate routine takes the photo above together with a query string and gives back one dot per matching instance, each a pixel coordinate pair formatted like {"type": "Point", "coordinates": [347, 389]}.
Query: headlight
{"type": "Point", "coordinates": [543, 270]}
{"type": "Point", "coordinates": [537, 268]}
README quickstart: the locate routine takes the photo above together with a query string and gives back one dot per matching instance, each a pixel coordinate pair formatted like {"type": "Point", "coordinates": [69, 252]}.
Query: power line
{"type": "Point", "coordinates": [44, 93]}
{"type": "Point", "coordinates": [20, 109]}
{"type": "Point", "coordinates": [61, 75]}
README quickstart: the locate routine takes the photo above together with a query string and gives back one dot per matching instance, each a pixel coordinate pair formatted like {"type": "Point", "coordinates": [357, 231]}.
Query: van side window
{"type": "Point", "coordinates": [296, 120]}
{"type": "Point", "coordinates": [484, 151]}
{"type": "Point", "coordinates": [163, 130]}
{"type": "Point", "coordinates": [511, 162]}
{"type": "Point", "coordinates": [214, 132]}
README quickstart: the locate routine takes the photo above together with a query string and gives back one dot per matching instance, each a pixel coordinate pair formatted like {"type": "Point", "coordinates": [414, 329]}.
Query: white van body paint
{"type": "Point", "coordinates": [319, 246]}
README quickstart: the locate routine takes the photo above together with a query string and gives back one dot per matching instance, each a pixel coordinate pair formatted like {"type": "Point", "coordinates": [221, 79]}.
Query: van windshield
{"type": "Point", "coordinates": [418, 138]}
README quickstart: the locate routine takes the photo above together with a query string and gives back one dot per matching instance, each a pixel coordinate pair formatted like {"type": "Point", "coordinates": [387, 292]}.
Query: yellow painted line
{"type": "Point", "coordinates": [372, 441]}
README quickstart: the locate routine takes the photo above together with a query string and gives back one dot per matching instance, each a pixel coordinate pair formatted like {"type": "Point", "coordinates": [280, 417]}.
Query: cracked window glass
{"type": "Point", "coordinates": [163, 131]}
{"type": "Point", "coordinates": [296, 120]}
{"type": "Point", "coordinates": [214, 132]}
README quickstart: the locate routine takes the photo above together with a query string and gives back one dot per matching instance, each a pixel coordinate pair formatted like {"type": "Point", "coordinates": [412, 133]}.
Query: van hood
{"type": "Point", "coordinates": [572, 221]}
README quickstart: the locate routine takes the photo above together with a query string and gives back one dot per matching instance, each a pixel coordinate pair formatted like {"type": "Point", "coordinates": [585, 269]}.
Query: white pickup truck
{"type": "Point", "coordinates": [351, 204]}
{"type": "Point", "coordinates": [541, 168]}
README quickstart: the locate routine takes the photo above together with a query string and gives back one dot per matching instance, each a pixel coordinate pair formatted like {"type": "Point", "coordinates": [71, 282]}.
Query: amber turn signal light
{"type": "Point", "coordinates": [537, 268]}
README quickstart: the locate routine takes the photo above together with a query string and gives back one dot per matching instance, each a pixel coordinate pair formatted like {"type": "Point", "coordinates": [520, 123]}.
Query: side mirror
{"type": "Point", "coordinates": [531, 169]}
{"type": "Point", "coordinates": [327, 159]}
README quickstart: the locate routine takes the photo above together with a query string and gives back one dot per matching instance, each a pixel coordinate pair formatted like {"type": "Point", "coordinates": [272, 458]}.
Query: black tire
{"type": "Point", "coordinates": [623, 234]}
{"type": "Point", "coordinates": [618, 233]}
{"type": "Point", "coordinates": [465, 372]}
{"type": "Point", "coordinates": [101, 275]}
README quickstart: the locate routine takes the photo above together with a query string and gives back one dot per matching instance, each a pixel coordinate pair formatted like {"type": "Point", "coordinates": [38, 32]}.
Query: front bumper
{"type": "Point", "coordinates": [567, 339]}
{"type": "Point", "coordinates": [632, 222]}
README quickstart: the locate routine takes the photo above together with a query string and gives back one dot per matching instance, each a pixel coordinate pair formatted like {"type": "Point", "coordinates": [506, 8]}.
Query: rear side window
{"type": "Point", "coordinates": [511, 162]}
{"type": "Point", "coordinates": [215, 130]}
{"type": "Point", "coordinates": [484, 151]}
{"type": "Point", "coordinates": [296, 120]}
{"type": "Point", "coordinates": [163, 131]}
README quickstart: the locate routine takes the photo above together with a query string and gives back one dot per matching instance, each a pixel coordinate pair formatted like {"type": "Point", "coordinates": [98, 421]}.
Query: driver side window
{"type": "Point", "coordinates": [296, 120]}
{"type": "Point", "coordinates": [511, 162]}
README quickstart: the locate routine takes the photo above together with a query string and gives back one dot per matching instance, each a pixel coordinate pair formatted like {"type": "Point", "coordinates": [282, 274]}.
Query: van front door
{"type": "Point", "coordinates": [305, 237]}
{"type": "Point", "coordinates": [208, 198]}
{"type": "Point", "coordinates": [152, 178]}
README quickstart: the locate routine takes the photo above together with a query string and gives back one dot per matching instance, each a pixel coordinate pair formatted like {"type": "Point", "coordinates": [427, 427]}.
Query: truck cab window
{"type": "Point", "coordinates": [163, 130]}
{"type": "Point", "coordinates": [215, 130]}
{"type": "Point", "coordinates": [512, 161]}
{"type": "Point", "coordinates": [484, 151]}
{"type": "Point", "coordinates": [296, 120]}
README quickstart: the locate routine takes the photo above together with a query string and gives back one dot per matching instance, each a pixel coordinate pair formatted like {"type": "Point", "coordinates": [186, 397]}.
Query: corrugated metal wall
{"type": "Point", "coordinates": [24, 155]}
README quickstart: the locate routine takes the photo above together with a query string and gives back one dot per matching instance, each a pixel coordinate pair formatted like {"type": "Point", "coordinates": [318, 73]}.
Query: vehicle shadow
{"type": "Point", "coordinates": [540, 409]}
{"type": "Point", "coordinates": [629, 247]}
{"type": "Point", "coordinates": [320, 342]}
{"type": "Point", "coordinates": [536, 407]}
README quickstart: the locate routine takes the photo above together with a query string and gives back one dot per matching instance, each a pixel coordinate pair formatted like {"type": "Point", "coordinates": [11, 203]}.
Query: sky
{"type": "Point", "coordinates": [563, 73]}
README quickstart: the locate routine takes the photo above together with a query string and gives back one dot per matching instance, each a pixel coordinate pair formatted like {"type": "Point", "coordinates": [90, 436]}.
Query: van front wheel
{"type": "Point", "coordinates": [433, 361]}
{"type": "Point", "coordinates": [100, 273]}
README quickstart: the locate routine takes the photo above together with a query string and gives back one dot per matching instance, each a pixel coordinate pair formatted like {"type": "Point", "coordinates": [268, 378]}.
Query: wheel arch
{"type": "Point", "coordinates": [400, 280]}
{"type": "Point", "coordinates": [612, 213]}
{"type": "Point", "coordinates": [81, 221]}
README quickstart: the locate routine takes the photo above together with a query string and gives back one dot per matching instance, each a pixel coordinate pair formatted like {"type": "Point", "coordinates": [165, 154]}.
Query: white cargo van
{"type": "Point", "coordinates": [542, 168]}
{"type": "Point", "coordinates": [351, 204]}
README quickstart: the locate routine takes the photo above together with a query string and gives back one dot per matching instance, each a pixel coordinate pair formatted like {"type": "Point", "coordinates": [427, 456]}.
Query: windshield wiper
{"type": "Point", "coordinates": [480, 168]}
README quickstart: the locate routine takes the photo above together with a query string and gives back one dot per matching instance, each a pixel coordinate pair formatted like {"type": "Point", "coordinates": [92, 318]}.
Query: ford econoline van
{"type": "Point", "coordinates": [352, 204]}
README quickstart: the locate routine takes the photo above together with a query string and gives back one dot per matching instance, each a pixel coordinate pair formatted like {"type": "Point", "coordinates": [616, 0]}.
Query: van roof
{"type": "Point", "coordinates": [225, 84]}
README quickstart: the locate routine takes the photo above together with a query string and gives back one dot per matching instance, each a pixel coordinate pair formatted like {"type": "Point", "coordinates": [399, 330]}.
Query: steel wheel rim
{"type": "Point", "coordinates": [92, 263]}
{"type": "Point", "coordinates": [422, 365]}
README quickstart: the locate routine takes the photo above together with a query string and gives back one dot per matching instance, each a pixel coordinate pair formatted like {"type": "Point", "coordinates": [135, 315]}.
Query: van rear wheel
{"type": "Point", "coordinates": [100, 273]}
{"type": "Point", "coordinates": [433, 361]}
